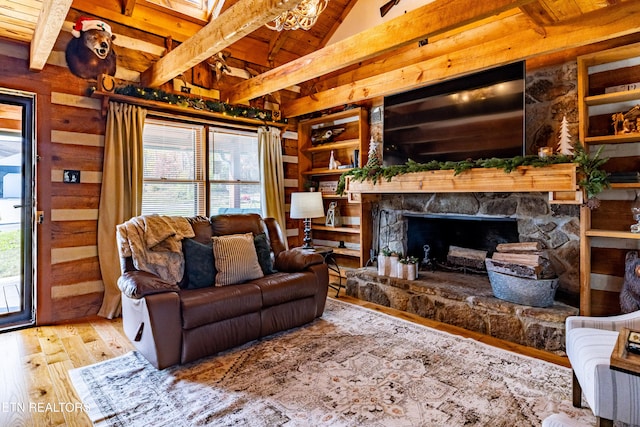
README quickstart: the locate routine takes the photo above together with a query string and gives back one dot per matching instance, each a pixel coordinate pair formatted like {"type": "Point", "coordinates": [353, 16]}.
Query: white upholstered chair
{"type": "Point", "coordinates": [612, 395]}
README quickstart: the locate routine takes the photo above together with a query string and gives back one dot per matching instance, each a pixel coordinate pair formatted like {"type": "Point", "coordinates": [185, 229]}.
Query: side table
{"type": "Point", "coordinates": [623, 360]}
{"type": "Point", "coordinates": [332, 264]}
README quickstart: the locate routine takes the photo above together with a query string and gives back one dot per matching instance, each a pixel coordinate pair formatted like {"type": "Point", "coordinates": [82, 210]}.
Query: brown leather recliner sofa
{"type": "Point", "coordinates": [170, 324]}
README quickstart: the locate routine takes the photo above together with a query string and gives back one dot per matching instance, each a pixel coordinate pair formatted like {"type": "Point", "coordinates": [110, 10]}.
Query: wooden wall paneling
{"type": "Point", "coordinates": [202, 75]}
{"type": "Point", "coordinates": [631, 164]}
{"type": "Point", "coordinates": [608, 217]}
{"type": "Point", "coordinates": [66, 234]}
{"type": "Point", "coordinates": [598, 82]}
{"type": "Point", "coordinates": [72, 156]}
{"type": "Point", "coordinates": [85, 270]}
{"type": "Point", "coordinates": [84, 196]}
{"type": "Point", "coordinates": [609, 261]}
{"type": "Point", "coordinates": [76, 307]}
{"type": "Point", "coordinates": [603, 301]}
{"type": "Point", "coordinates": [73, 119]}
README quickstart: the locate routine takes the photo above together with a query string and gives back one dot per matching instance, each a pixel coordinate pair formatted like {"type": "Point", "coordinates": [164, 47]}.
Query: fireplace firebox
{"type": "Point", "coordinates": [442, 231]}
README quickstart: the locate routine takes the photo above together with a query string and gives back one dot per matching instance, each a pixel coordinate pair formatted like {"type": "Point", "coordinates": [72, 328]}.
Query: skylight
{"type": "Point", "coordinates": [200, 9]}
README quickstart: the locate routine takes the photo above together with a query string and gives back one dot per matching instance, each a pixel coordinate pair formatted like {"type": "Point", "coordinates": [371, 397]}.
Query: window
{"type": "Point", "coordinates": [234, 171]}
{"type": "Point", "coordinates": [200, 9]}
{"type": "Point", "coordinates": [178, 179]}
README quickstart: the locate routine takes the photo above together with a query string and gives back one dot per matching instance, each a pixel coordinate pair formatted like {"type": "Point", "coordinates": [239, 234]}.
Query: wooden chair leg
{"type": "Point", "coordinates": [577, 391]}
{"type": "Point", "coordinates": [603, 422]}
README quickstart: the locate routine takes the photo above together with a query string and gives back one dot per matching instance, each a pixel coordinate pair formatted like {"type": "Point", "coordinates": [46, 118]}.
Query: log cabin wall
{"type": "Point", "coordinates": [70, 135]}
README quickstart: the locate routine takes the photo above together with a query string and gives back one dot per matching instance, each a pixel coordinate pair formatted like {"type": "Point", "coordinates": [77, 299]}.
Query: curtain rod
{"type": "Point", "coordinates": [191, 119]}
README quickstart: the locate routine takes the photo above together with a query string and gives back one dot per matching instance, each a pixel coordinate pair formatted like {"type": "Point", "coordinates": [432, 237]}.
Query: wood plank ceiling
{"type": "Point", "coordinates": [462, 35]}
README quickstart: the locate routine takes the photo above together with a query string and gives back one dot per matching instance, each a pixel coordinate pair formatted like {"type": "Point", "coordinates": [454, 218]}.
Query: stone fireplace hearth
{"type": "Point", "coordinates": [466, 300]}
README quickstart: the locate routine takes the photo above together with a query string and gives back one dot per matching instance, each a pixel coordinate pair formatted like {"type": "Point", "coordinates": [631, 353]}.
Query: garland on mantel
{"type": "Point", "coordinates": [195, 103]}
{"type": "Point", "coordinates": [591, 177]}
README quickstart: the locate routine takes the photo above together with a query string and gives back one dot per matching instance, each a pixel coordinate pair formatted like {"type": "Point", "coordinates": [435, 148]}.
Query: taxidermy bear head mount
{"type": "Point", "coordinates": [90, 52]}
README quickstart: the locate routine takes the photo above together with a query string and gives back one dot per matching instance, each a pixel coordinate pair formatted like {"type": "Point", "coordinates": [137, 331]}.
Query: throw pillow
{"type": "Point", "coordinates": [235, 259]}
{"type": "Point", "coordinates": [198, 264]}
{"type": "Point", "coordinates": [263, 250]}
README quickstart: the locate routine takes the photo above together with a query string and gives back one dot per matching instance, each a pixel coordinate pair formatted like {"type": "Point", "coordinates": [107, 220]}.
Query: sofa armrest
{"type": "Point", "coordinates": [137, 284]}
{"type": "Point", "coordinates": [296, 259]}
{"type": "Point", "coordinates": [609, 323]}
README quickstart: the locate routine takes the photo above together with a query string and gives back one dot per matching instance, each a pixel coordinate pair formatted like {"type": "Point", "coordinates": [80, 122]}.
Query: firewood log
{"type": "Point", "coordinates": [519, 247]}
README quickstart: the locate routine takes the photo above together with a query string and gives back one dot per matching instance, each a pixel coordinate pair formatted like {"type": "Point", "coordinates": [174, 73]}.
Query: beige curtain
{"type": "Point", "coordinates": [121, 194]}
{"type": "Point", "coordinates": [272, 175]}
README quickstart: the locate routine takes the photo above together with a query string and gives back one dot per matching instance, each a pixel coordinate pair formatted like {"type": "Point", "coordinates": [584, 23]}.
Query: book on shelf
{"type": "Point", "coordinates": [624, 177]}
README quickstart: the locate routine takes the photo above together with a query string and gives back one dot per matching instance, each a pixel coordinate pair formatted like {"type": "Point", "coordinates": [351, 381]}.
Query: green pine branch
{"type": "Point", "coordinates": [592, 178]}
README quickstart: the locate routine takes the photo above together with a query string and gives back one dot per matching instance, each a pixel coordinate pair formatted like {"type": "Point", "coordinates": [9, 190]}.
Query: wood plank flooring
{"type": "Point", "coordinates": [35, 389]}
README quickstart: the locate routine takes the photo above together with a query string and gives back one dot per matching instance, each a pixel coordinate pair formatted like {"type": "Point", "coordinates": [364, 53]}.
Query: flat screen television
{"type": "Point", "coordinates": [477, 116]}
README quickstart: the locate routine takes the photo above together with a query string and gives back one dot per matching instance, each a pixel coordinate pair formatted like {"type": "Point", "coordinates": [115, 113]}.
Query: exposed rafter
{"type": "Point", "coordinates": [232, 25]}
{"type": "Point", "coordinates": [47, 30]}
{"type": "Point", "coordinates": [428, 20]}
{"type": "Point", "coordinates": [127, 7]}
{"type": "Point", "coordinates": [593, 27]}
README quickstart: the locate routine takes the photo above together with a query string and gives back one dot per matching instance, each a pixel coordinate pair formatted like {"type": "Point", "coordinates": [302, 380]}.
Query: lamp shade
{"type": "Point", "coordinates": [306, 205]}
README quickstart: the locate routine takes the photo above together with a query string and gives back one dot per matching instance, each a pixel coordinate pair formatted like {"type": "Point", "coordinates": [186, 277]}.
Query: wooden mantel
{"type": "Point", "coordinates": [559, 180]}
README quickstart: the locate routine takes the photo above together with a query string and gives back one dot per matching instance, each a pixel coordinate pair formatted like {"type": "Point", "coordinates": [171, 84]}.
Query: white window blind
{"type": "Point", "coordinates": [174, 175]}
{"type": "Point", "coordinates": [178, 180]}
{"type": "Point", "coordinates": [234, 171]}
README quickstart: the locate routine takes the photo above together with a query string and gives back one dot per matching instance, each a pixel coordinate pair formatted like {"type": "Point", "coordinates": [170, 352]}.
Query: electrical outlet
{"type": "Point", "coordinates": [71, 176]}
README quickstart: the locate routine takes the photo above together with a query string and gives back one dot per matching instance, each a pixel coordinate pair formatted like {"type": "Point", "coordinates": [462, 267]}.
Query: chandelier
{"type": "Point", "coordinates": [304, 15]}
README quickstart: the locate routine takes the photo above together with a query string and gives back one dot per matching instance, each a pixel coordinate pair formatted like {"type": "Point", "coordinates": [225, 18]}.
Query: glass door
{"type": "Point", "coordinates": [17, 120]}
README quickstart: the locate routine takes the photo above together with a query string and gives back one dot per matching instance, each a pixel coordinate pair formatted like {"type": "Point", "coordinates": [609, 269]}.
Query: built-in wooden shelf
{"type": "Point", "coordinates": [613, 139]}
{"type": "Point", "coordinates": [352, 143]}
{"type": "Point", "coordinates": [612, 234]}
{"type": "Point", "coordinates": [351, 230]}
{"type": "Point", "coordinates": [626, 185]}
{"type": "Point", "coordinates": [325, 171]}
{"type": "Point", "coordinates": [610, 98]}
{"type": "Point", "coordinates": [347, 252]}
{"type": "Point", "coordinates": [176, 109]}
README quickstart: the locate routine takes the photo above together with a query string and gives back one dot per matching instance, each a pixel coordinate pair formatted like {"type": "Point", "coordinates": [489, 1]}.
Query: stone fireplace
{"type": "Point", "coordinates": [406, 222]}
{"type": "Point", "coordinates": [480, 221]}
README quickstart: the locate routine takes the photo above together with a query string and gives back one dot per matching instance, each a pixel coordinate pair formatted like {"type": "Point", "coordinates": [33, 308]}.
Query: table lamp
{"type": "Point", "coordinates": [306, 206]}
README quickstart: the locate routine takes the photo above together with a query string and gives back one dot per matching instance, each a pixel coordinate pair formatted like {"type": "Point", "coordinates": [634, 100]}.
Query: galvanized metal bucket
{"type": "Point", "coordinates": [533, 292]}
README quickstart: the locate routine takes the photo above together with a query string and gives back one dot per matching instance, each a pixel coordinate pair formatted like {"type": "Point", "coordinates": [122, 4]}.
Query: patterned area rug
{"type": "Point", "coordinates": [352, 367]}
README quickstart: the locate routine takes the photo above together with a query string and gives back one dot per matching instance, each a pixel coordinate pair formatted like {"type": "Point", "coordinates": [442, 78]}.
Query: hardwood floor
{"type": "Point", "coordinates": [35, 389]}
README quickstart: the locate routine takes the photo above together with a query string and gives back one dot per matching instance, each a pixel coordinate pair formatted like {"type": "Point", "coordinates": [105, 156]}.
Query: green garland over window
{"type": "Point", "coordinates": [195, 103]}
{"type": "Point", "coordinates": [591, 177]}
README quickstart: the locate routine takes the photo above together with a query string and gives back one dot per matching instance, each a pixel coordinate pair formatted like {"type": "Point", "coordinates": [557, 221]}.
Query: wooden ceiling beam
{"type": "Point", "coordinates": [128, 6]}
{"type": "Point", "coordinates": [275, 44]}
{"type": "Point", "coordinates": [162, 24]}
{"type": "Point", "coordinates": [235, 23]}
{"type": "Point", "coordinates": [538, 14]}
{"type": "Point", "coordinates": [606, 23]}
{"type": "Point", "coordinates": [46, 33]}
{"type": "Point", "coordinates": [428, 20]}
{"type": "Point", "coordinates": [488, 30]}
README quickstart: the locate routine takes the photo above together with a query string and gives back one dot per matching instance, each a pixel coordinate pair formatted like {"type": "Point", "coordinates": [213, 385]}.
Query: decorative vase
{"type": "Point", "coordinates": [401, 270]}
{"type": "Point", "coordinates": [412, 271]}
{"type": "Point", "coordinates": [384, 263]}
{"type": "Point", "coordinates": [332, 161]}
{"type": "Point", "coordinates": [393, 266]}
